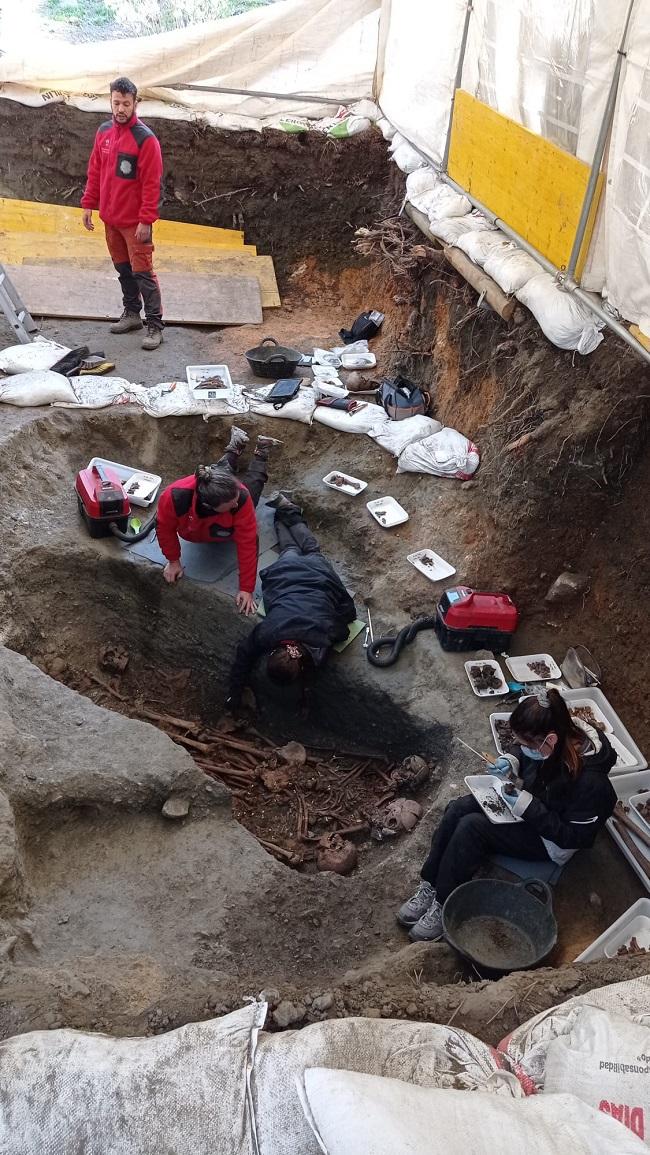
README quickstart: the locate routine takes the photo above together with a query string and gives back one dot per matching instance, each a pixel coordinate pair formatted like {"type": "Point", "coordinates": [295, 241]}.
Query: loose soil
{"type": "Point", "coordinates": [152, 922]}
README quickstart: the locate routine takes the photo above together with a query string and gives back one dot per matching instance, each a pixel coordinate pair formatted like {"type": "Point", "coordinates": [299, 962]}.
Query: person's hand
{"type": "Point", "coordinates": [510, 794]}
{"type": "Point", "coordinates": [87, 218]}
{"type": "Point", "coordinates": [173, 572]}
{"type": "Point", "coordinates": [246, 603]}
{"type": "Point", "coordinates": [143, 234]}
{"type": "Point", "coordinates": [502, 768]}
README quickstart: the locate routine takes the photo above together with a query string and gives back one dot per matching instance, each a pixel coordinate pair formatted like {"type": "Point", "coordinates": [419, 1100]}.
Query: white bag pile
{"type": "Point", "coordinates": [396, 435]}
{"type": "Point", "coordinates": [301, 408]}
{"type": "Point", "coordinates": [99, 392]}
{"type": "Point", "coordinates": [40, 387]}
{"type": "Point", "coordinates": [28, 358]}
{"type": "Point", "coordinates": [562, 318]}
{"type": "Point", "coordinates": [447, 453]}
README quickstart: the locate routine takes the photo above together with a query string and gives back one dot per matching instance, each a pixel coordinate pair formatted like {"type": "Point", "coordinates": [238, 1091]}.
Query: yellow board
{"type": "Point", "coordinates": [64, 220]}
{"type": "Point", "coordinates": [168, 259]}
{"type": "Point", "coordinates": [533, 186]}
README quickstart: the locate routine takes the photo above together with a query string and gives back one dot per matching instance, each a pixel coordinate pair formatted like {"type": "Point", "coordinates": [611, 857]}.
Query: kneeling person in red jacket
{"type": "Point", "coordinates": [213, 505]}
{"type": "Point", "coordinates": [125, 184]}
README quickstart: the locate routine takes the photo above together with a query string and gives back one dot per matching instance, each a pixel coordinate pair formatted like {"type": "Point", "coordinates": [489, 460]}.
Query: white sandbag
{"type": "Point", "coordinates": [447, 453]}
{"type": "Point", "coordinates": [606, 1063]}
{"type": "Point", "coordinates": [185, 1091]}
{"type": "Point", "coordinates": [420, 188]}
{"type": "Point", "coordinates": [98, 392]}
{"type": "Point", "coordinates": [511, 268]}
{"type": "Point", "coordinates": [300, 409]}
{"type": "Point", "coordinates": [562, 318]}
{"type": "Point", "coordinates": [177, 399]}
{"type": "Point", "coordinates": [352, 1114]}
{"type": "Point", "coordinates": [426, 1054]}
{"type": "Point", "coordinates": [480, 245]}
{"type": "Point", "coordinates": [527, 1046]}
{"type": "Point", "coordinates": [325, 373]}
{"type": "Point", "coordinates": [408, 158]}
{"type": "Point", "coordinates": [449, 229]}
{"type": "Point", "coordinates": [41, 387]}
{"type": "Point", "coordinates": [359, 422]}
{"type": "Point", "coordinates": [446, 202]}
{"type": "Point", "coordinates": [396, 435]}
{"type": "Point", "coordinates": [386, 129]}
{"type": "Point", "coordinates": [28, 358]}
{"type": "Point", "coordinates": [353, 347]}
{"type": "Point", "coordinates": [397, 142]}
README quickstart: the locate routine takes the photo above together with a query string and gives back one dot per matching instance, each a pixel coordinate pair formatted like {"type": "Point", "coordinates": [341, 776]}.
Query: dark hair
{"type": "Point", "coordinates": [215, 486]}
{"type": "Point", "coordinates": [283, 669]}
{"type": "Point", "coordinates": [531, 719]}
{"type": "Point", "coordinates": [125, 86]}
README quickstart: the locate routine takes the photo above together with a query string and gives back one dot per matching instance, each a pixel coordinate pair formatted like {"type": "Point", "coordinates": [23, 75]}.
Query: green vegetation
{"type": "Point", "coordinates": [94, 18]}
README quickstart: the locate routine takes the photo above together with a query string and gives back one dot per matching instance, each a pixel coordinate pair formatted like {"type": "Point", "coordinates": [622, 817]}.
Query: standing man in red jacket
{"type": "Point", "coordinates": [125, 184]}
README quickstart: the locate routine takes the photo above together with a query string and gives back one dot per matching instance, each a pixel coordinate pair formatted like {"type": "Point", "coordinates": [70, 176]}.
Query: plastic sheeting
{"type": "Point", "coordinates": [547, 64]}
{"type": "Point", "coordinates": [305, 46]}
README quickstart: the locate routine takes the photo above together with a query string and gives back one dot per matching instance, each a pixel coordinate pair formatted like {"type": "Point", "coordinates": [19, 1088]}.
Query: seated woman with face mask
{"type": "Point", "coordinates": [558, 773]}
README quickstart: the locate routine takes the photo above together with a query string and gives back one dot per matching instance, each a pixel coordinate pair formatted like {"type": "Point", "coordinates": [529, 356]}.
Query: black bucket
{"type": "Point", "coordinates": [501, 926]}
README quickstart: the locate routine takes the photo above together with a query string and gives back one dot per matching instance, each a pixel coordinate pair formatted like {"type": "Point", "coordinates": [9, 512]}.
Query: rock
{"type": "Point", "coordinates": [176, 807]}
{"type": "Point", "coordinates": [287, 1013]}
{"type": "Point", "coordinates": [56, 667]}
{"type": "Point", "coordinates": [271, 996]}
{"type": "Point", "coordinates": [323, 1002]}
{"type": "Point", "coordinates": [336, 854]}
{"type": "Point", "coordinates": [372, 1013]}
{"type": "Point", "coordinates": [567, 586]}
{"type": "Point", "coordinates": [412, 1011]}
{"type": "Point", "coordinates": [468, 484]}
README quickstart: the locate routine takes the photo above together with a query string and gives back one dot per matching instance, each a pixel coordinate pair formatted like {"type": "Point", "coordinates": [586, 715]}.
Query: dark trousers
{"type": "Point", "coordinates": [294, 535]}
{"type": "Point", "coordinates": [466, 837]}
{"type": "Point", "coordinates": [254, 477]}
{"type": "Point", "coordinates": [133, 261]}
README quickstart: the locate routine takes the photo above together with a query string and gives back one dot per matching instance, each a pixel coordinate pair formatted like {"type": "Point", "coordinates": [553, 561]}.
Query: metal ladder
{"type": "Point", "coordinates": [18, 316]}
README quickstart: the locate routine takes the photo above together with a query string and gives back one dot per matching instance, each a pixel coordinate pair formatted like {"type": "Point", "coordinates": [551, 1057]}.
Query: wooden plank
{"type": "Point", "coordinates": [38, 249]}
{"type": "Point", "coordinates": [532, 185]}
{"type": "Point", "coordinates": [36, 216]}
{"type": "Point", "coordinates": [92, 294]}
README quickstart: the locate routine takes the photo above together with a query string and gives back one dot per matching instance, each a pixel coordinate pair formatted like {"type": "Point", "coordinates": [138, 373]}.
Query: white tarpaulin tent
{"type": "Point", "coordinates": [547, 64]}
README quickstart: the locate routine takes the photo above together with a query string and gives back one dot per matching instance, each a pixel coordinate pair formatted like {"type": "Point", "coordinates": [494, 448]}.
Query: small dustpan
{"type": "Point", "coordinates": [580, 668]}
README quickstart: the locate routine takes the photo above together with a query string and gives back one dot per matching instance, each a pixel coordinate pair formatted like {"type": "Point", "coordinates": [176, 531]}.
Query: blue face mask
{"type": "Point", "coordinates": [536, 755]}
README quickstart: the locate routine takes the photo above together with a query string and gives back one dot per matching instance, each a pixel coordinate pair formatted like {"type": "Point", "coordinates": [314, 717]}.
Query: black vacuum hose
{"type": "Point", "coordinates": [131, 538]}
{"type": "Point", "coordinates": [403, 638]}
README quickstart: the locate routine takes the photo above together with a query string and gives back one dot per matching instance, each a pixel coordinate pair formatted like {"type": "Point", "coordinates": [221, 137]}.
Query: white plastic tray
{"type": "Point", "coordinates": [431, 564]}
{"type": "Point", "coordinates": [633, 801]}
{"type": "Point", "coordinates": [596, 711]}
{"type": "Point", "coordinates": [634, 922]}
{"type": "Point", "coordinates": [494, 718]}
{"type": "Point", "coordinates": [394, 514]}
{"type": "Point", "coordinates": [503, 688]}
{"type": "Point", "coordinates": [127, 473]}
{"type": "Point", "coordinates": [520, 668]}
{"type": "Point", "coordinates": [594, 695]}
{"type": "Point", "coordinates": [196, 374]}
{"type": "Point", "coordinates": [485, 786]}
{"type": "Point", "coordinates": [351, 490]}
{"type": "Point", "coordinates": [626, 786]}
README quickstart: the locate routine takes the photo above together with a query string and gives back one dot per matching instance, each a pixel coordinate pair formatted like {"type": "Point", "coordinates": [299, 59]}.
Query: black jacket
{"type": "Point", "coordinates": [563, 810]}
{"type": "Point", "coordinates": [305, 601]}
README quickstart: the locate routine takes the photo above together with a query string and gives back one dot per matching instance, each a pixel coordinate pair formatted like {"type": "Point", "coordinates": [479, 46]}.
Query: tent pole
{"type": "Point", "coordinates": [458, 80]}
{"type": "Point", "coordinates": [599, 152]}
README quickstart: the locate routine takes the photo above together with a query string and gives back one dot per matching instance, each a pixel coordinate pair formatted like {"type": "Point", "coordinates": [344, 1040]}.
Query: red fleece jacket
{"type": "Point", "coordinates": [124, 174]}
{"type": "Point", "coordinates": [178, 517]}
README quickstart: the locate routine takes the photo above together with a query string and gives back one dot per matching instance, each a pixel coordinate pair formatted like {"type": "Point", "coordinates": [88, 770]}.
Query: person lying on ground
{"type": "Point", "coordinates": [308, 609]}
{"type": "Point", "coordinates": [125, 183]}
{"type": "Point", "coordinates": [214, 505]}
{"type": "Point", "coordinates": [555, 779]}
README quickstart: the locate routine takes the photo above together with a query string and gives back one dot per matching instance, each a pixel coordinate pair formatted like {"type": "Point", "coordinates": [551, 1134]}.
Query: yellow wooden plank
{"type": "Point", "coordinates": [19, 246]}
{"type": "Point", "coordinates": [532, 185]}
{"type": "Point", "coordinates": [641, 337]}
{"type": "Point", "coordinates": [168, 259]}
{"type": "Point", "coordinates": [37, 217]}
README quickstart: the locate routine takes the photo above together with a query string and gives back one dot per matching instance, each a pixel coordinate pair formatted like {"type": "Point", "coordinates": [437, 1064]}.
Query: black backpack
{"type": "Point", "coordinates": [401, 398]}
{"type": "Point", "coordinates": [367, 325]}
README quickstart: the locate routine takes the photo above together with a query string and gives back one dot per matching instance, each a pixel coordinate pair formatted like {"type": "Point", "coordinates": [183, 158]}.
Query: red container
{"type": "Point", "coordinates": [469, 620]}
{"type": "Point", "coordinates": [102, 500]}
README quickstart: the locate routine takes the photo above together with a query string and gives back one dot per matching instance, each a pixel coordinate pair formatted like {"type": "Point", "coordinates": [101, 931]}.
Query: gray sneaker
{"type": "Point", "coordinates": [429, 927]}
{"type": "Point", "coordinates": [417, 905]}
{"type": "Point", "coordinates": [153, 338]}
{"type": "Point", "coordinates": [238, 439]}
{"type": "Point", "coordinates": [127, 322]}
